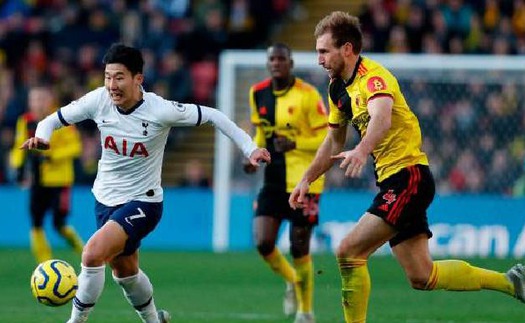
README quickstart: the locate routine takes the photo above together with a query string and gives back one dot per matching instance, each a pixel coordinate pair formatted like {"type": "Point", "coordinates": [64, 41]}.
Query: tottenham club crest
{"type": "Point", "coordinates": [145, 126]}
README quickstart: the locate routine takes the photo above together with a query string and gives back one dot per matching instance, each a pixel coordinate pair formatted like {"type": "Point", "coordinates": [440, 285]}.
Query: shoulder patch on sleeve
{"type": "Point", "coordinates": [376, 83]}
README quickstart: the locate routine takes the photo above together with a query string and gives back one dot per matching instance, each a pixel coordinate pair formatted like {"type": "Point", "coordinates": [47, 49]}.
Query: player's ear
{"type": "Point", "coordinates": [348, 49]}
{"type": "Point", "coordinates": [139, 78]}
{"type": "Point", "coordinates": [291, 63]}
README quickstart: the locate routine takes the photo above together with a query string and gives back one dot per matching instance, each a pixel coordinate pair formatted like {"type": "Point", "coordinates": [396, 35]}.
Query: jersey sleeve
{"type": "Point", "coordinates": [81, 109]}
{"type": "Point", "coordinates": [317, 115]}
{"type": "Point", "coordinates": [259, 137]}
{"type": "Point", "coordinates": [176, 114]}
{"type": "Point", "coordinates": [379, 82]}
{"type": "Point", "coordinates": [230, 129]}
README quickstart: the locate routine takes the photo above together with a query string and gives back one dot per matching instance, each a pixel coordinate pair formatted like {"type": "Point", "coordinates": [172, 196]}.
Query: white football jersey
{"type": "Point", "coordinates": [133, 141]}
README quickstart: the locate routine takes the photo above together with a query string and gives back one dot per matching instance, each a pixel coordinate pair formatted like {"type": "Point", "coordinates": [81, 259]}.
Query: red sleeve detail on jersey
{"type": "Point", "coordinates": [376, 83]}
{"type": "Point", "coordinates": [320, 127]}
{"type": "Point", "coordinates": [262, 85]}
{"type": "Point", "coordinates": [380, 95]}
{"type": "Point", "coordinates": [333, 125]}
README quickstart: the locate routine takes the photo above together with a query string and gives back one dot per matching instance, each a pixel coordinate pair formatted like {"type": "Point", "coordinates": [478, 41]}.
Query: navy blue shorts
{"type": "Point", "coordinates": [137, 219]}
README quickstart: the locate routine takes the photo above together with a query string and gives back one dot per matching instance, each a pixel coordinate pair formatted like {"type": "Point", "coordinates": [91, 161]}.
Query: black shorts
{"type": "Point", "coordinates": [274, 202]}
{"type": "Point", "coordinates": [403, 200]}
{"type": "Point", "coordinates": [54, 199]}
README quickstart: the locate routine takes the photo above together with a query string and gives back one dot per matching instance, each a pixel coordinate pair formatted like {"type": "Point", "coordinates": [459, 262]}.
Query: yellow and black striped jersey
{"type": "Point", "coordinates": [401, 147]}
{"type": "Point", "coordinates": [298, 113]}
{"type": "Point", "coordinates": [49, 168]}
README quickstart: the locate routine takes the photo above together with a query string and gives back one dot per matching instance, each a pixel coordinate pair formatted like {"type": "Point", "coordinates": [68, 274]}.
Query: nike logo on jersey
{"type": "Point", "coordinates": [136, 216]}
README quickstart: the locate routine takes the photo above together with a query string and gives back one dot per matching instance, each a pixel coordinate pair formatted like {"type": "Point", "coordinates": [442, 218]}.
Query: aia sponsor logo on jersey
{"type": "Point", "coordinates": [376, 83]}
{"type": "Point", "coordinates": [125, 148]}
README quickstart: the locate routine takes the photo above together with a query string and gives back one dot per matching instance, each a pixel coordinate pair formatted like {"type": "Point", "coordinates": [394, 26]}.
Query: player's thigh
{"type": "Point", "coordinates": [266, 228]}
{"type": "Point", "coordinates": [370, 233]}
{"type": "Point", "coordinates": [106, 243]}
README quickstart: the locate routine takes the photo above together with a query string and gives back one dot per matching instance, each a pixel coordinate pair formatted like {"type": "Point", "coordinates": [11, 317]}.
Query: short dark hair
{"type": "Point", "coordinates": [282, 46]}
{"type": "Point", "coordinates": [125, 55]}
{"type": "Point", "coordinates": [344, 28]}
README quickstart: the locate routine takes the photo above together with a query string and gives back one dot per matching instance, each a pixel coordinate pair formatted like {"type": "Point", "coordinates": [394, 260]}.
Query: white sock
{"type": "Point", "coordinates": [139, 293]}
{"type": "Point", "coordinates": [90, 286]}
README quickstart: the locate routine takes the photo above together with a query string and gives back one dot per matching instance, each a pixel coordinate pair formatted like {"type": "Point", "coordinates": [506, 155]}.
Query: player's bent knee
{"type": "Point", "coordinates": [346, 250]}
{"type": "Point", "coordinates": [93, 257]}
{"type": "Point", "coordinates": [265, 247]}
{"type": "Point", "coordinates": [299, 251]}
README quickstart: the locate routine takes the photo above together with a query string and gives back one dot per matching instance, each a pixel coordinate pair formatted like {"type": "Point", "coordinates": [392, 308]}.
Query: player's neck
{"type": "Point", "coordinates": [350, 66]}
{"type": "Point", "coordinates": [132, 104]}
{"type": "Point", "coordinates": [282, 83]}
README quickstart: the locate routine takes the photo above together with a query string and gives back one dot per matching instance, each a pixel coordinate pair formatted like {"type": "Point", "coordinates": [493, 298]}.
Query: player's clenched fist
{"type": "Point", "coordinates": [35, 143]}
{"type": "Point", "coordinates": [260, 155]}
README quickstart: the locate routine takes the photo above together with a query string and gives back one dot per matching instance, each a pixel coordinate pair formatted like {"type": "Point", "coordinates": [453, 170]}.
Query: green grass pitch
{"type": "Point", "coordinates": [237, 287]}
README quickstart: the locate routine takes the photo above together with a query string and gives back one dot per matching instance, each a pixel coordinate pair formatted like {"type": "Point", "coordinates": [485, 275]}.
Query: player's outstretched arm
{"type": "Point", "coordinates": [35, 143]}
{"type": "Point", "coordinates": [237, 135]}
{"type": "Point", "coordinates": [332, 144]}
{"type": "Point", "coordinates": [43, 133]}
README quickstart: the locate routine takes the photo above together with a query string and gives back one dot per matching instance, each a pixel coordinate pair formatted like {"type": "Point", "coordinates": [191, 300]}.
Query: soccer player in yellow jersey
{"type": "Point", "coordinates": [51, 173]}
{"type": "Point", "coordinates": [291, 122]}
{"type": "Point", "coordinates": [366, 95]}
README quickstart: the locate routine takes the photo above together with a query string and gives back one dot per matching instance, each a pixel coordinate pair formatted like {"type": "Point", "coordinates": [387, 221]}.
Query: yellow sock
{"type": "Point", "coordinates": [72, 238]}
{"type": "Point", "coordinates": [280, 265]}
{"type": "Point", "coordinates": [305, 283]}
{"type": "Point", "coordinates": [355, 288]}
{"type": "Point", "coordinates": [458, 275]}
{"type": "Point", "coordinates": [39, 245]}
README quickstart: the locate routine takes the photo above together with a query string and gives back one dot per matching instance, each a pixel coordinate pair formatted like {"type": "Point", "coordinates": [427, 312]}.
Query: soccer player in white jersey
{"type": "Point", "coordinates": [134, 127]}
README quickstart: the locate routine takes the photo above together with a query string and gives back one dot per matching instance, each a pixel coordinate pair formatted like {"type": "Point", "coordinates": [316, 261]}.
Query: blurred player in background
{"type": "Point", "coordinates": [365, 94]}
{"type": "Point", "coordinates": [48, 174]}
{"type": "Point", "coordinates": [291, 121]}
{"type": "Point", "coordinates": [134, 126]}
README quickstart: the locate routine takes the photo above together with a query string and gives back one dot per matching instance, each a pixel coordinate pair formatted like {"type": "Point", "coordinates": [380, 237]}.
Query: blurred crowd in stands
{"type": "Point", "coordinates": [61, 42]}
{"type": "Point", "coordinates": [445, 26]}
